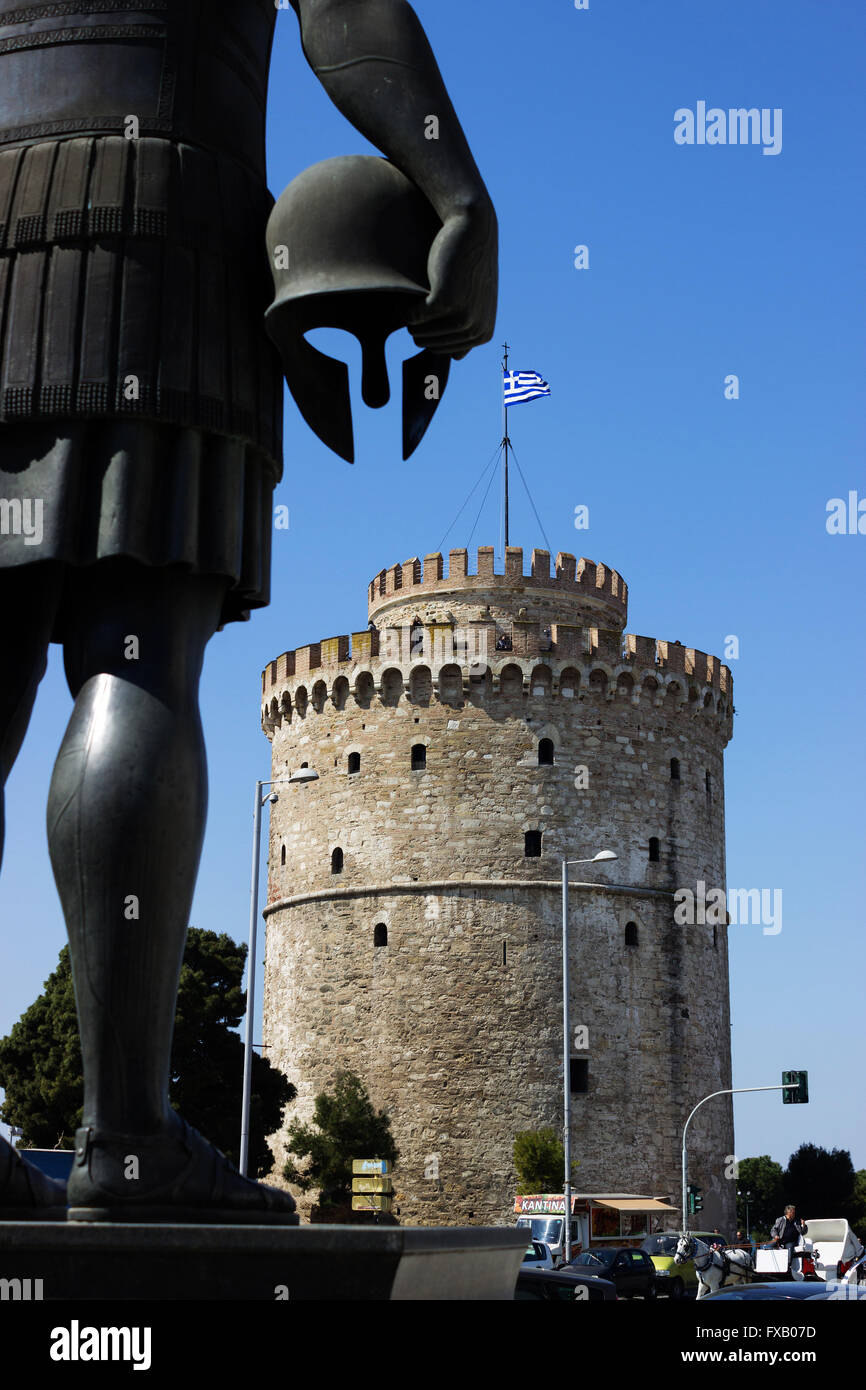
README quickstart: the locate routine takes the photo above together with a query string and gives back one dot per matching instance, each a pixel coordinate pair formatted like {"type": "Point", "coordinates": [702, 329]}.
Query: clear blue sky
{"type": "Point", "coordinates": [704, 261]}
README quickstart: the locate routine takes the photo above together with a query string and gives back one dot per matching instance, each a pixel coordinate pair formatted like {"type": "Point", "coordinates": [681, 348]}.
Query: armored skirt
{"type": "Point", "coordinates": [140, 399]}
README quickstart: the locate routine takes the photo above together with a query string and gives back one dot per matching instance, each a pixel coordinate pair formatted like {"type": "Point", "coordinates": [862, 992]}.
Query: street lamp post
{"type": "Point", "coordinates": [604, 854]}
{"type": "Point", "coordinates": [305, 774]}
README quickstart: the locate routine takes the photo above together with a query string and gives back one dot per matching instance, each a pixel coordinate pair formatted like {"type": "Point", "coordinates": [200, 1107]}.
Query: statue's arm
{"type": "Point", "coordinates": [374, 61]}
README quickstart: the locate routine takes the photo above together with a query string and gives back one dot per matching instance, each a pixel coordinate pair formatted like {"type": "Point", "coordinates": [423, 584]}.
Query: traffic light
{"type": "Point", "coordinates": [797, 1088]}
{"type": "Point", "coordinates": [696, 1201]}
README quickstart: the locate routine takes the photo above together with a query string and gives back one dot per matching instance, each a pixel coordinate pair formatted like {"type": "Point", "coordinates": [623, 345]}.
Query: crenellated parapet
{"type": "Point", "coordinates": [452, 665]}
{"type": "Point", "coordinates": [488, 636]}
{"type": "Point", "coordinates": [579, 589]}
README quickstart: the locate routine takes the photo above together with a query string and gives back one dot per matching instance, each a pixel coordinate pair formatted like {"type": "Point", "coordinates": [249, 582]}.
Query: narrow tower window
{"type": "Point", "coordinates": [545, 752]}
{"type": "Point", "coordinates": [631, 933]}
{"type": "Point", "coordinates": [708, 784]}
{"type": "Point", "coordinates": [654, 850]}
{"type": "Point", "coordinates": [419, 757]}
{"type": "Point", "coordinates": [675, 769]}
{"type": "Point", "coordinates": [380, 934]}
{"type": "Point", "coordinates": [337, 861]}
{"type": "Point", "coordinates": [283, 855]}
{"type": "Point", "coordinates": [578, 1077]}
{"type": "Point", "coordinates": [532, 844]}
{"type": "Point", "coordinates": [354, 762]}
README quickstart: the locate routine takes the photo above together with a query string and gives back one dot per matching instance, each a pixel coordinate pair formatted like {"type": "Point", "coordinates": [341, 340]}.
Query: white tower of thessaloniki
{"type": "Point", "coordinates": [480, 729]}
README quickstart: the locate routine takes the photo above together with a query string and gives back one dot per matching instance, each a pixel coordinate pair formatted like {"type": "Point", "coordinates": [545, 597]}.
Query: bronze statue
{"type": "Point", "coordinates": [140, 441]}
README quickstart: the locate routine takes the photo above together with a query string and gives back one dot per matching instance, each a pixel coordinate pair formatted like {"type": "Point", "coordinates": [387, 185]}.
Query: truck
{"type": "Point", "coordinates": [597, 1218]}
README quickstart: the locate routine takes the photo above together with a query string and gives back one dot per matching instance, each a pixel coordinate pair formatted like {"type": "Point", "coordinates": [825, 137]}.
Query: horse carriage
{"type": "Point", "coordinates": [829, 1251]}
{"type": "Point", "coordinates": [714, 1267]}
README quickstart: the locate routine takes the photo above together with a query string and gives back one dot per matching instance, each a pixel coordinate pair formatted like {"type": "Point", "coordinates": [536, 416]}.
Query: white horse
{"type": "Point", "coordinates": [714, 1267]}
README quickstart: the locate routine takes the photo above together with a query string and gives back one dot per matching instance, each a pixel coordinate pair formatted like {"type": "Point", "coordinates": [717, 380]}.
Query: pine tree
{"type": "Point", "coordinates": [41, 1071]}
{"type": "Point", "coordinates": [347, 1126]}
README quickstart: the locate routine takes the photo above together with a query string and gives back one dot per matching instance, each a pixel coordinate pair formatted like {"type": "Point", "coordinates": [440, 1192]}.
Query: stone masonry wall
{"type": "Point", "coordinates": [455, 1024]}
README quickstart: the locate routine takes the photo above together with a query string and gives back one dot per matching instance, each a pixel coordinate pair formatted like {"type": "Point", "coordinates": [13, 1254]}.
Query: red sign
{"type": "Point", "coordinates": [541, 1204]}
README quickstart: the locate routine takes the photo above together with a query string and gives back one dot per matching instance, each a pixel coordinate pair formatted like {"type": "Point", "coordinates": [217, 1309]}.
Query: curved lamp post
{"type": "Point", "coordinates": [304, 774]}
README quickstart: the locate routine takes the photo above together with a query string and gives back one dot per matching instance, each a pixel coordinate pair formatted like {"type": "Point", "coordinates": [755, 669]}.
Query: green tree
{"type": "Point", "coordinates": [347, 1126]}
{"type": "Point", "coordinates": [40, 1066]}
{"type": "Point", "coordinates": [40, 1060]}
{"type": "Point", "coordinates": [820, 1182]}
{"type": "Point", "coordinates": [858, 1203]}
{"type": "Point", "coordinates": [539, 1159]}
{"type": "Point", "coordinates": [764, 1180]}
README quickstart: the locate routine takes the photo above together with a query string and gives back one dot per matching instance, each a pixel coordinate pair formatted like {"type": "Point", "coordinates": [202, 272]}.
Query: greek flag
{"type": "Point", "coordinates": [523, 386]}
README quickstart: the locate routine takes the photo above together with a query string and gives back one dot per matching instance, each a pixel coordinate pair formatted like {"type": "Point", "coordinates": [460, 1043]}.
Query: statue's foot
{"type": "Point", "coordinates": [176, 1175]}
{"type": "Point", "coordinates": [25, 1193]}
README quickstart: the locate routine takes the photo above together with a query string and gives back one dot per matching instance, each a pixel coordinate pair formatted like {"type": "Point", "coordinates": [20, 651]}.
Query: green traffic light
{"type": "Point", "coordinates": [796, 1085]}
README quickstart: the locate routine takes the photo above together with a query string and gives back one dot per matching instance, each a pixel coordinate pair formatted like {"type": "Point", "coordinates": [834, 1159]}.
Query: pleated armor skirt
{"type": "Point", "coordinates": [148, 491]}
{"type": "Point", "coordinates": [138, 260]}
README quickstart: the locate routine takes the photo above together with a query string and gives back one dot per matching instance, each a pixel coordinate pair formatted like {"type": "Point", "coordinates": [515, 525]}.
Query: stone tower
{"type": "Point", "coordinates": [484, 726]}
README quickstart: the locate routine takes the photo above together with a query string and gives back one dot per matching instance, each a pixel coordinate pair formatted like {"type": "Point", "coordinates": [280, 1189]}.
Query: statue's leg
{"type": "Point", "coordinates": [126, 816]}
{"type": "Point", "coordinates": [28, 599]}
{"type": "Point", "coordinates": [126, 821]}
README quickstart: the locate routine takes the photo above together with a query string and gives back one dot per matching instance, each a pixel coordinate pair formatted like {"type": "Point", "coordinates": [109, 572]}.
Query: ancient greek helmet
{"type": "Point", "coordinates": [348, 242]}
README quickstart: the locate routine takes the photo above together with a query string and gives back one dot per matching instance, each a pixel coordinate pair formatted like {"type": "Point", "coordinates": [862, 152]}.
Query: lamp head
{"type": "Point", "coordinates": [304, 774]}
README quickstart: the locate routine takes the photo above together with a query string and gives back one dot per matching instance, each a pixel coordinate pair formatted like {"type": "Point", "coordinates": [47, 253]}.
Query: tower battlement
{"type": "Point", "coordinates": [598, 594]}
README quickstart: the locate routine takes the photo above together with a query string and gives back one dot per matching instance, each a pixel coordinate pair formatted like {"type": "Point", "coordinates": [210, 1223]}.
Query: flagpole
{"type": "Point", "coordinates": [505, 442]}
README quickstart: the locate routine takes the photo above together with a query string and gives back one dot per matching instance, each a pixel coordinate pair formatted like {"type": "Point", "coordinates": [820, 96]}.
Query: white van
{"type": "Point", "coordinates": [832, 1247]}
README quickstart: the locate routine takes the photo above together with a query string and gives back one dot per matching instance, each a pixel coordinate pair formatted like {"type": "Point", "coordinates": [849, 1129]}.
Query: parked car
{"type": "Point", "coordinates": [537, 1256]}
{"type": "Point", "coordinates": [54, 1163]}
{"type": "Point", "coordinates": [562, 1285]}
{"type": "Point", "coordinates": [780, 1291]}
{"type": "Point", "coordinates": [632, 1271]}
{"type": "Point", "coordinates": [549, 1230]}
{"type": "Point", "coordinates": [676, 1281]}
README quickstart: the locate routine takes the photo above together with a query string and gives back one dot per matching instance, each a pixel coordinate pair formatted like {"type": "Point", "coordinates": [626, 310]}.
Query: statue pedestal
{"type": "Point", "coordinates": [176, 1263]}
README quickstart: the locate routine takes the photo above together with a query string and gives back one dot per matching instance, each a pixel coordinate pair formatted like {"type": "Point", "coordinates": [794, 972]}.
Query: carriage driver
{"type": "Point", "coordinates": [787, 1233]}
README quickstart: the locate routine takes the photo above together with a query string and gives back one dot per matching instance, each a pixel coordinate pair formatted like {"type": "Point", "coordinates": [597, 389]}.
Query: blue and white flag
{"type": "Point", "coordinates": [523, 386]}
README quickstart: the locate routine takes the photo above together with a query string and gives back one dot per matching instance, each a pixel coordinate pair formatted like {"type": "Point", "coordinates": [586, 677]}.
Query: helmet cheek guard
{"type": "Point", "coordinates": [348, 242]}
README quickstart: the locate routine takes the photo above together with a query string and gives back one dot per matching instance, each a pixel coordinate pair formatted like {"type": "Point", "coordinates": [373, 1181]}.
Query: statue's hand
{"type": "Point", "coordinates": [460, 311]}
